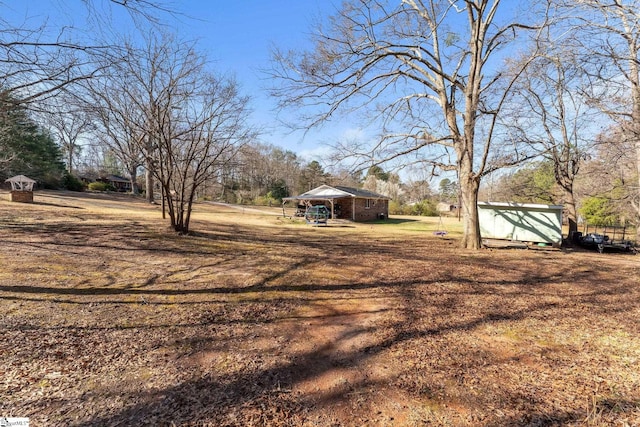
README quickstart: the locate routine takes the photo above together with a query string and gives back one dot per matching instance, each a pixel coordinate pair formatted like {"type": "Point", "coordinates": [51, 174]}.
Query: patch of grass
{"type": "Point", "coordinates": [417, 224]}
{"type": "Point", "coordinates": [513, 334]}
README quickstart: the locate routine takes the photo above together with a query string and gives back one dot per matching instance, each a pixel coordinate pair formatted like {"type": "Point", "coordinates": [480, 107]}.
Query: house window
{"type": "Point", "coordinates": [367, 203]}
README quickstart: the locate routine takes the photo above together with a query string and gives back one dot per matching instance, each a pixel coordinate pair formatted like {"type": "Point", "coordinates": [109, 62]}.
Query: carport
{"type": "Point", "coordinates": [345, 202]}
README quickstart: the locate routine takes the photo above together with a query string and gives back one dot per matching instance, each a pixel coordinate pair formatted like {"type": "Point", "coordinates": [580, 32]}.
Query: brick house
{"type": "Point", "coordinates": [345, 202]}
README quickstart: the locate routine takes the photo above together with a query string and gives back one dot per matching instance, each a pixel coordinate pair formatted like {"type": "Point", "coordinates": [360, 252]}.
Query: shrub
{"type": "Point", "coordinates": [71, 183]}
{"type": "Point", "coordinates": [230, 197]}
{"type": "Point", "coordinates": [395, 208]}
{"type": "Point", "coordinates": [265, 201]}
{"type": "Point", "coordinates": [422, 208]}
{"type": "Point", "coordinates": [101, 186]}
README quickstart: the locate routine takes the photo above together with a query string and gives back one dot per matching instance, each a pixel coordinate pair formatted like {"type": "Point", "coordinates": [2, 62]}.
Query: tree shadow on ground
{"type": "Point", "coordinates": [394, 221]}
{"type": "Point", "coordinates": [217, 398]}
{"type": "Point", "coordinates": [57, 205]}
{"type": "Point", "coordinates": [425, 299]}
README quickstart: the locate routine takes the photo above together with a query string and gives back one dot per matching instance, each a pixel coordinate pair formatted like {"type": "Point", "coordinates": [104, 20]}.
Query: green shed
{"type": "Point", "coordinates": [521, 222]}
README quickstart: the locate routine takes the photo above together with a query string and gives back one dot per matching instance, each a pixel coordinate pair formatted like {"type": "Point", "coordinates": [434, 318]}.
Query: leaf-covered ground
{"type": "Point", "coordinates": [108, 319]}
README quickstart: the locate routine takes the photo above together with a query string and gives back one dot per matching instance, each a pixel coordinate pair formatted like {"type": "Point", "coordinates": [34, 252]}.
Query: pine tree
{"type": "Point", "coordinates": [26, 148]}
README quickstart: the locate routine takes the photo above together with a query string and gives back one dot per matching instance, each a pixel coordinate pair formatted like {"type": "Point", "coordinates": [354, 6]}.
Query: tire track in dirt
{"type": "Point", "coordinates": [342, 373]}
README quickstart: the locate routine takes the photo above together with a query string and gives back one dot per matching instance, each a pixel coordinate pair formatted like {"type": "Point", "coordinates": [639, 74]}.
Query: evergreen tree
{"type": "Point", "coordinates": [378, 173]}
{"type": "Point", "coordinates": [532, 183]}
{"type": "Point", "coordinates": [26, 148]}
{"type": "Point", "coordinates": [312, 176]}
{"type": "Point", "coordinates": [448, 190]}
{"type": "Point", "coordinates": [599, 211]}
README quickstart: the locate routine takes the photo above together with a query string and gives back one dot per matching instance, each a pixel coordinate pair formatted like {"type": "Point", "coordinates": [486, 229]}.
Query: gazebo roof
{"type": "Point", "coordinates": [21, 183]}
{"type": "Point", "coordinates": [20, 179]}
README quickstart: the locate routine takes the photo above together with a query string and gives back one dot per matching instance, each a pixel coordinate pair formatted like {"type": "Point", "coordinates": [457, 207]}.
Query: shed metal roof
{"type": "Point", "coordinates": [515, 205]}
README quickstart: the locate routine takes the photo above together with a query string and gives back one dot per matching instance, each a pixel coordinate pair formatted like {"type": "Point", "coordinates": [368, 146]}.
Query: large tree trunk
{"type": "Point", "coordinates": [570, 210]}
{"type": "Point", "coordinates": [133, 179]}
{"type": "Point", "coordinates": [469, 186]}
{"type": "Point", "coordinates": [470, 224]}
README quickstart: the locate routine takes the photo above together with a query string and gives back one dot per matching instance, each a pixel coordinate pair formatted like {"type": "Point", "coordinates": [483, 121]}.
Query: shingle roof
{"type": "Point", "coordinates": [325, 192]}
{"type": "Point", "coordinates": [361, 193]}
{"type": "Point", "coordinates": [116, 178]}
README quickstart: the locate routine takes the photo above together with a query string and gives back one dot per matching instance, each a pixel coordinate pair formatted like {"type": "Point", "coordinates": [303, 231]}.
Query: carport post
{"type": "Point", "coordinates": [353, 208]}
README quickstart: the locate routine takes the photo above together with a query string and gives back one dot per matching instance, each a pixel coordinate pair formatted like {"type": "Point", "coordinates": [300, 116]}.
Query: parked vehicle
{"type": "Point", "coordinates": [318, 214]}
{"type": "Point", "coordinates": [603, 243]}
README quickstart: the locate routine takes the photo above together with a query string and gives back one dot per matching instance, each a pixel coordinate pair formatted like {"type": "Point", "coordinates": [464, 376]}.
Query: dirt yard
{"type": "Point", "coordinates": [109, 319]}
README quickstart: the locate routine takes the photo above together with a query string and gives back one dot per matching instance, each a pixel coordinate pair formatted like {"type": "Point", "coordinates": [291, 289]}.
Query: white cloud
{"type": "Point", "coordinates": [318, 152]}
{"type": "Point", "coordinates": [353, 134]}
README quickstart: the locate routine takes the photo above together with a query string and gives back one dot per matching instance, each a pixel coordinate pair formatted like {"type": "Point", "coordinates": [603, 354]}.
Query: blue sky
{"type": "Point", "coordinates": [237, 36]}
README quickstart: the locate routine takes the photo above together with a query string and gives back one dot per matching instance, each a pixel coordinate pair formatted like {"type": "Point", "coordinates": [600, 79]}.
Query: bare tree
{"type": "Point", "coordinates": [127, 99]}
{"type": "Point", "coordinates": [39, 60]}
{"type": "Point", "coordinates": [549, 112]}
{"type": "Point", "coordinates": [68, 124]}
{"type": "Point", "coordinates": [117, 126]}
{"type": "Point", "coordinates": [211, 129]}
{"type": "Point", "coordinates": [432, 70]}
{"type": "Point", "coordinates": [610, 32]}
{"type": "Point", "coordinates": [185, 122]}
{"type": "Point", "coordinates": [611, 173]}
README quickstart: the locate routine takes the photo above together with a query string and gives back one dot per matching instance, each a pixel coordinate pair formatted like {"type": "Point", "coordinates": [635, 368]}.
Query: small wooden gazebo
{"type": "Point", "coordinates": [21, 188]}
